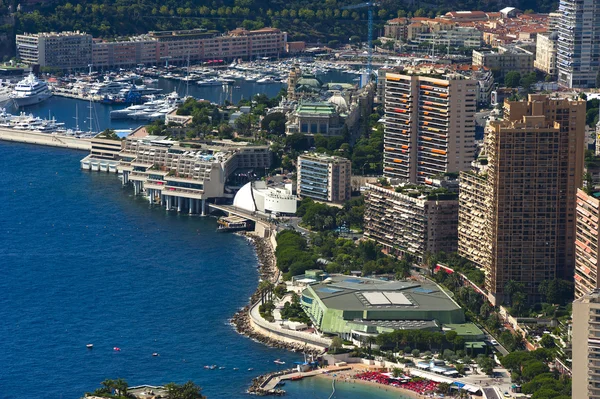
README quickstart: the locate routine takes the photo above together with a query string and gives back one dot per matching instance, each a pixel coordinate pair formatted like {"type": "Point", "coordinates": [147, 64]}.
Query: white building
{"type": "Point", "coordinates": [65, 50]}
{"type": "Point", "coordinates": [578, 55]}
{"type": "Point", "coordinates": [257, 197]}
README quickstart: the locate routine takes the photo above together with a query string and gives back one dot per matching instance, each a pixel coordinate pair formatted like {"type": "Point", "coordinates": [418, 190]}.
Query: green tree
{"type": "Point", "coordinates": [336, 345]}
{"type": "Point", "coordinates": [189, 390]}
{"type": "Point", "coordinates": [547, 341]}
{"type": "Point", "coordinates": [512, 79]}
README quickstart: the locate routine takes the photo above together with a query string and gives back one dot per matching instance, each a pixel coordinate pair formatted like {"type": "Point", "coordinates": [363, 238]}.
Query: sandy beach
{"type": "Point", "coordinates": [347, 377]}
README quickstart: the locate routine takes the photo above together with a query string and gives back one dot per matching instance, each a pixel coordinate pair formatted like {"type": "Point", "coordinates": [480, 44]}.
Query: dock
{"type": "Point", "coordinates": [273, 382]}
{"type": "Point", "coordinates": [47, 139]}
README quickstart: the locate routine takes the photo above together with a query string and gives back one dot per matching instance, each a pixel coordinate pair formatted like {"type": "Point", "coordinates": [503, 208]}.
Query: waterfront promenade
{"type": "Point", "coordinates": [51, 140]}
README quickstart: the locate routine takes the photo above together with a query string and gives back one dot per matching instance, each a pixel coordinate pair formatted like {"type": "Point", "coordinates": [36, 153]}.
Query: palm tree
{"type": "Point", "coordinates": [121, 387]}
{"type": "Point", "coordinates": [108, 385]}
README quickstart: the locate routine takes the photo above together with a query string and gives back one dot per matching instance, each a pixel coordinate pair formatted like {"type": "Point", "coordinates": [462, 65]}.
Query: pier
{"type": "Point", "coordinates": [47, 139]}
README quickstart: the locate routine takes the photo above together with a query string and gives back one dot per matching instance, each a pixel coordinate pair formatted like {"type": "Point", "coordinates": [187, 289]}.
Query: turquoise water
{"type": "Point", "coordinates": [83, 261]}
{"type": "Point", "coordinates": [317, 387]}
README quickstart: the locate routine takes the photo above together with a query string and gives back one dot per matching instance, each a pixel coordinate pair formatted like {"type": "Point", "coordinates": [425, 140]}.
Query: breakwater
{"type": "Point", "coordinates": [51, 140]}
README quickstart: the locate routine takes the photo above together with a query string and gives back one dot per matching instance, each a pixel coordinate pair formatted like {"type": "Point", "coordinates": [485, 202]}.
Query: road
{"type": "Point", "coordinates": [490, 393]}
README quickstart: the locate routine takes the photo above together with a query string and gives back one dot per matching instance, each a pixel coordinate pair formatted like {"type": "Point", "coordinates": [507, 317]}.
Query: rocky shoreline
{"type": "Point", "coordinates": [267, 269]}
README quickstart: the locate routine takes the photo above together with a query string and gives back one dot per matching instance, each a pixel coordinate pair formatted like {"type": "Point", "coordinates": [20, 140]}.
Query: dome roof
{"type": "Point", "coordinates": [310, 81]}
{"type": "Point", "coordinates": [244, 198]}
{"type": "Point", "coordinates": [553, 36]}
{"type": "Point", "coordinates": [339, 101]}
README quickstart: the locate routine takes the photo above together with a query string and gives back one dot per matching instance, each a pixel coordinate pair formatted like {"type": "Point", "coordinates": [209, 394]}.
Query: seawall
{"type": "Point", "coordinates": [47, 139]}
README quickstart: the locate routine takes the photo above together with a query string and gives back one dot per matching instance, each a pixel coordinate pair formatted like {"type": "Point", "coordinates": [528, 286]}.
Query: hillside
{"type": "Point", "coordinates": [303, 19]}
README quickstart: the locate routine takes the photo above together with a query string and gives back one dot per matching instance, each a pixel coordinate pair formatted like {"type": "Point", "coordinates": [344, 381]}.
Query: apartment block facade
{"type": "Point", "coordinates": [78, 50]}
{"type": "Point", "coordinates": [324, 178]}
{"type": "Point", "coordinates": [64, 50]}
{"type": "Point", "coordinates": [545, 53]}
{"type": "Point", "coordinates": [586, 346]}
{"type": "Point", "coordinates": [587, 241]}
{"type": "Point", "coordinates": [508, 58]}
{"type": "Point", "coordinates": [411, 221]}
{"type": "Point", "coordinates": [528, 190]}
{"type": "Point", "coordinates": [578, 55]}
{"type": "Point", "coordinates": [429, 125]}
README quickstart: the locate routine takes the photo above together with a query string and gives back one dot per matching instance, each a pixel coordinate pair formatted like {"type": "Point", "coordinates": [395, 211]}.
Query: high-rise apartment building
{"type": "Point", "coordinates": [324, 177]}
{"type": "Point", "coordinates": [64, 50]}
{"type": "Point", "coordinates": [412, 220]}
{"type": "Point", "coordinates": [587, 242]}
{"type": "Point", "coordinates": [586, 347]}
{"type": "Point", "coordinates": [578, 43]}
{"type": "Point", "coordinates": [527, 192]}
{"type": "Point", "coordinates": [429, 124]}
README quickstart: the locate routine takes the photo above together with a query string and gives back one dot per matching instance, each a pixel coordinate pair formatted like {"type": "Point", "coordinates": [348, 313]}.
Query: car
{"type": "Point", "coordinates": [493, 342]}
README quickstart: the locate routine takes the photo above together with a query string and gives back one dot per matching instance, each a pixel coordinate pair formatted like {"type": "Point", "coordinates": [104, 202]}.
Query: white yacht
{"type": "Point", "coordinates": [30, 91]}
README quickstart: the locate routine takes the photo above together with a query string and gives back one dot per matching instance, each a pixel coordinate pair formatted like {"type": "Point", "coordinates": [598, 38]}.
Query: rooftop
{"type": "Point", "coordinates": [360, 293]}
{"type": "Point", "coordinates": [324, 158]}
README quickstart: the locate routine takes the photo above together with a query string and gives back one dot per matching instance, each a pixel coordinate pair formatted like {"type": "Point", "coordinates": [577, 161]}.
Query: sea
{"type": "Point", "coordinates": [84, 261]}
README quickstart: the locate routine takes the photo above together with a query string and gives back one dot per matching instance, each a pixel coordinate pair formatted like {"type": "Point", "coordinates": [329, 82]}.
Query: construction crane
{"type": "Point", "coordinates": [370, 5]}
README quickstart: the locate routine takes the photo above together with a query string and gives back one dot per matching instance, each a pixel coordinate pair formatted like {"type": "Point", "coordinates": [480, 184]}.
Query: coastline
{"type": "Point", "coordinates": [268, 271]}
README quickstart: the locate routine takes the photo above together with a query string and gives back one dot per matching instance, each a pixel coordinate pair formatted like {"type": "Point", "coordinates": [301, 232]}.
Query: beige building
{"type": "Point", "coordinates": [77, 50]}
{"type": "Point", "coordinates": [411, 219]}
{"type": "Point", "coordinates": [429, 124]}
{"type": "Point", "coordinates": [586, 243]}
{"type": "Point", "coordinates": [64, 50]}
{"type": "Point", "coordinates": [324, 177]}
{"type": "Point", "coordinates": [586, 347]}
{"type": "Point", "coordinates": [528, 190]}
{"type": "Point", "coordinates": [545, 53]}
{"type": "Point", "coordinates": [509, 58]}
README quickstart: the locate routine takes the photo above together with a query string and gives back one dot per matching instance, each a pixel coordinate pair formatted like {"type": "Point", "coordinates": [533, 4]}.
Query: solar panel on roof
{"type": "Point", "coordinates": [398, 298]}
{"type": "Point", "coordinates": [376, 298]}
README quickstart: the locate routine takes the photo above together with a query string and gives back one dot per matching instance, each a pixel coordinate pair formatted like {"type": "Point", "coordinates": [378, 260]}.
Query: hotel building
{"type": "Point", "coordinates": [65, 50]}
{"type": "Point", "coordinates": [578, 55]}
{"type": "Point", "coordinates": [527, 195]}
{"type": "Point", "coordinates": [586, 346]}
{"type": "Point", "coordinates": [324, 177]}
{"type": "Point", "coordinates": [411, 219]}
{"type": "Point", "coordinates": [177, 177]}
{"type": "Point", "coordinates": [587, 242]}
{"type": "Point", "coordinates": [429, 124]}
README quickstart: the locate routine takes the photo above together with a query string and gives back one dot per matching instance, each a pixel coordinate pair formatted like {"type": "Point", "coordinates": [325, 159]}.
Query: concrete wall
{"type": "Point", "coordinates": [45, 139]}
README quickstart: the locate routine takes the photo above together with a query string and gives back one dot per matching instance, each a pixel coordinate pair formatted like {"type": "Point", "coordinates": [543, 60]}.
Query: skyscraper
{"type": "Point", "coordinates": [534, 166]}
{"type": "Point", "coordinates": [586, 346]}
{"type": "Point", "coordinates": [578, 43]}
{"type": "Point", "coordinates": [429, 124]}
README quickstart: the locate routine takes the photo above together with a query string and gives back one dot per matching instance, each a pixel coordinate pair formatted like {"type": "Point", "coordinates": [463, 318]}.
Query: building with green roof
{"type": "Point", "coordinates": [354, 306]}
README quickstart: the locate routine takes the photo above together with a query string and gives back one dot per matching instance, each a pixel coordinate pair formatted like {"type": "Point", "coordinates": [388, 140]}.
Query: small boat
{"type": "Point", "coordinates": [235, 369]}
{"type": "Point", "coordinates": [155, 354]}
{"type": "Point", "coordinates": [278, 361]}
{"type": "Point", "coordinates": [250, 369]}
{"type": "Point", "coordinates": [214, 366]}
{"type": "Point", "coordinates": [207, 367]}
{"type": "Point", "coordinates": [117, 349]}
{"type": "Point", "coordinates": [89, 346]}
{"type": "Point", "coordinates": [297, 377]}
{"type": "Point", "coordinates": [222, 368]}
{"type": "Point", "coordinates": [280, 384]}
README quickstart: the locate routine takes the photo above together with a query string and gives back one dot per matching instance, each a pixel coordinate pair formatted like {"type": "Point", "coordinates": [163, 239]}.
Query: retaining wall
{"type": "Point", "coordinates": [51, 140]}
